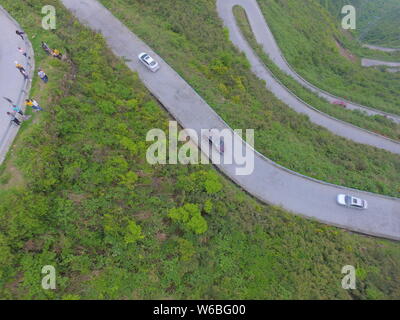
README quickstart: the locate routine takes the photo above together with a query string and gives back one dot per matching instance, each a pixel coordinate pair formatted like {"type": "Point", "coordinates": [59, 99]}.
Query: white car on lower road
{"type": "Point", "coordinates": [149, 62]}
{"type": "Point", "coordinates": [351, 202]}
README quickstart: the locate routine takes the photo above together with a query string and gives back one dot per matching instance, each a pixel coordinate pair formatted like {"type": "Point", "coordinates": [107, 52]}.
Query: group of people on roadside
{"type": "Point", "coordinates": [52, 52]}
{"type": "Point", "coordinates": [17, 115]}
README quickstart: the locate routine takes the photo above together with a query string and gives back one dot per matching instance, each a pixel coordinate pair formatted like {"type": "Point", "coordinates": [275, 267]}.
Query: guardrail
{"type": "Point", "coordinates": [11, 131]}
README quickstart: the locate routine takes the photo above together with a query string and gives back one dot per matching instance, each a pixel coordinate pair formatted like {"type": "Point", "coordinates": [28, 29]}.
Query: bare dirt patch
{"type": "Point", "coordinates": [345, 53]}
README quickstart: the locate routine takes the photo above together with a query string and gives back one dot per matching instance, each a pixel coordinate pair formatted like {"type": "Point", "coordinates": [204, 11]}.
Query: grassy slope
{"type": "Point", "coordinates": [360, 51]}
{"type": "Point", "coordinates": [79, 198]}
{"type": "Point", "coordinates": [377, 20]}
{"type": "Point", "coordinates": [199, 50]}
{"type": "Point", "coordinates": [376, 124]}
{"type": "Point", "coordinates": [306, 34]}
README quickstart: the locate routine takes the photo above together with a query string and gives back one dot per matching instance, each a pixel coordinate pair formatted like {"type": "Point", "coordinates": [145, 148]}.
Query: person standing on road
{"type": "Point", "coordinates": [21, 69]}
{"type": "Point", "coordinates": [14, 106]}
{"type": "Point", "coordinates": [20, 33]}
{"type": "Point", "coordinates": [22, 51]}
{"type": "Point", "coordinates": [17, 109]}
{"type": "Point", "coordinates": [42, 75]}
{"type": "Point", "coordinates": [8, 100]}
{"type": "Point", "coordinates": [14, 118]}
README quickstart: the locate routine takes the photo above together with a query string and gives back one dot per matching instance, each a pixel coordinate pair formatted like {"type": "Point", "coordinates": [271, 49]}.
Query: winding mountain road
{"type": "Point", "coordinates": [265, 37]}
{"type": "Point", "coordinates": [12, 84]}
{"type": "Point", "coordinates": [269, 181]}
{"type": "Point", "coordinates": [393, 66]}
{"type": "Point", "coordinates": [372, 62]}
{"type": "Point", "coordinates": [372, 47]}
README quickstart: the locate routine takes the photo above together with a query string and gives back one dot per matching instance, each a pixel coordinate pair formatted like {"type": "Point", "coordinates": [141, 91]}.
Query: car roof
{"type": "Point", "coordinates": [356, 201]}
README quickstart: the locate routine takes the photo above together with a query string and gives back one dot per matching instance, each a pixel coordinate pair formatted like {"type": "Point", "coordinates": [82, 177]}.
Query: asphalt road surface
{"type": "Point", "coordinates": [394, 66]}
{"type": "Point", "coordinates": [12, 82]}
{"type": "Point", "coordinates": [265, 37]}
{"type": "Point", "coordinates": [269, 182]}
{"type": "Point", "coordinates": [369, 46]}
{"type": "Point", "coordinates": [372, 63]}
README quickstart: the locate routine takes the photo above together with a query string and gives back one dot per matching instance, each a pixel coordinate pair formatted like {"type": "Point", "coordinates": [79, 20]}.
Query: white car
{"type": "Point", "coordinates": [351, 202]}
{"type": "Point", "coordinates": [149, 62]}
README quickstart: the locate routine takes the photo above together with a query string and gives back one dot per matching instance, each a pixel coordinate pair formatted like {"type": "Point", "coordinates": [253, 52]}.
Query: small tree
{"type": "Point", "coordinates": [189, 217]}
{"type": "Point", "coordinates": [133, 232]}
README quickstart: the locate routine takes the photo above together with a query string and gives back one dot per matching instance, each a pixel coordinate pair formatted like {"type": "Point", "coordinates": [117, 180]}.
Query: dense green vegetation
{"type": "Point", "coordinates": [376, 124]}
{"type": "Point", "coordinates": [356, 48]}
{"type": "Point", "coordinates": [111, 224]}
{"type": "Point", "coordinates": [315, 45]}
{"type": "Point", "coordinates": [199, 50]}
{"type": "Point", "coordinates": [377, 20]}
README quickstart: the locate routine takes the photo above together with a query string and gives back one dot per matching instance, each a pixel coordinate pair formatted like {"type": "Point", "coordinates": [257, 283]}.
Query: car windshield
{"type": "Point", "coordinates": [356, 202]}
{"type": "Point", "coordinates": [147, 58]}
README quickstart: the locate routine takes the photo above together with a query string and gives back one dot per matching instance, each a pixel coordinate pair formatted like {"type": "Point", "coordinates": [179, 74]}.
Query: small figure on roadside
{"type": "Point", "coordinates": [219, 146]}
{"type": "Point", "coordinates": [20, 33]}
{"type": "Point", "coordinates": [46, 48]}
{"type": "Point", "coordinates": [42, 75]}
{"type": "Point", "coordinates": [33, 104]}
{"type": "Point", "coordinates": [21, 69]}
{"type": "Point", "coordinates": [17, 109]}
{"type": "Point", "coordinates": [23, 52]}
{"type": "Point", "coordinates": [9, 100]}
{"type": "Point", "coordinates": [56, 54]}
{"type": "Point", "coordinates": [15, 117]}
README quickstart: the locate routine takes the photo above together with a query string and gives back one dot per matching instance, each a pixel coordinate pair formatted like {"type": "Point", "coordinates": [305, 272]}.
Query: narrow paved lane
{"type": "Point", "coordinates": [372, 63]}
{"type": "Point", "coordinates": [369, 46]}
{"type": "Point", "coordinates": [11, 81]}
{"type": "Point", "coordinates": [265, 37]}
{"type": "Point", "coordinates": [336, 126]}
{"type": "Point", "coordinates": [269, 182]}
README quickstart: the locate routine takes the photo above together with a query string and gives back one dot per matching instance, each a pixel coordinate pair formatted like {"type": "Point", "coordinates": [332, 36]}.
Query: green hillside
{"type": "Point", "coordinates": [376, 124]}
{"type": "Point", "coordinates": [77, 193]}
{"type": "Point", "coordinates": [315, 45]}
{"type": "Point", "coordinates": [378, 21]}
{"type": "Point", "coordinates": [203, 55]}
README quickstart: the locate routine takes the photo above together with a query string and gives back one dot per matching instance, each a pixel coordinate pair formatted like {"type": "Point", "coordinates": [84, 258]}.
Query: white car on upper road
{"type": "Point", "coordinates": [351, 202]}
{"type": "Point", "coordinates": [149, 62]}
